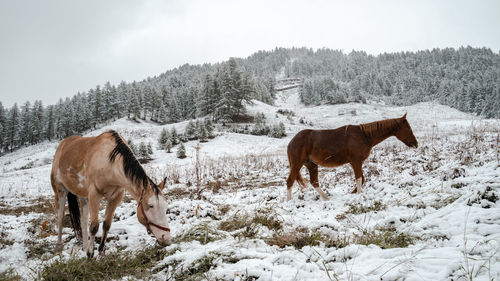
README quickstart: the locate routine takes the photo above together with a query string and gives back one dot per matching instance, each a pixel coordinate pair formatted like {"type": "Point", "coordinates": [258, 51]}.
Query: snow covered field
{"type": "Point", "coordinates": [430, 213]}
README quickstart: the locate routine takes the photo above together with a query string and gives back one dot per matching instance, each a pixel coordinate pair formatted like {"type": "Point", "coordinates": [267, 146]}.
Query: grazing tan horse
{"type": "Point", "coordinates": [348, 144]}
{"type": "Point", "coordinates": [87, 169]}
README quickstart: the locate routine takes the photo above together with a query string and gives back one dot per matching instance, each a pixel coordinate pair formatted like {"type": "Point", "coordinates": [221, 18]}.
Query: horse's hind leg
{"type": "Point", "coordinates": [108, 218]}
{"type": "Point", "coordinates": [294, 175]}
{"type": "Point", "coordinates": [358, 174]}
{"type": "Point", "coordinates": [313, 175]}
{"type": "Point", "coordinates": [60, 203]}
{"type": "Point", "coordinates": [60, 196]}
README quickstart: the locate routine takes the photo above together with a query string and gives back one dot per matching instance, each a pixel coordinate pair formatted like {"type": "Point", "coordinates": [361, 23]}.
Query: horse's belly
{"type": "Point", "coordinates": [330, 162]}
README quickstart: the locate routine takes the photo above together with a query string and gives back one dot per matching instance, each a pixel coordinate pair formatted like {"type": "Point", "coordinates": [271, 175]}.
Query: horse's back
{"type": "Point", "coordinates": [76, 157]}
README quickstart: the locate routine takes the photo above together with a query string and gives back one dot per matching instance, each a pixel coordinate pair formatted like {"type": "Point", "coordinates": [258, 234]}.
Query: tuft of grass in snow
{"type": "Point", "coordinates": [37, 249]}
{"type": "Point", "coordinates": [196, 271]}
{"type": "Point", "coordinates": [303, 237]}
{"type": "Point", "coordinates": [359, 208]}
{"type": "Point", "coordinates": [41, 205]}
{"type": "Point", "coordinates": [298, 239]}
{"type": "Point", "coordinates": [445, 201]}
{"type": "Point", "coordinates": [250, 223]}
{"type": "Point", "coordinates": [136, 264]}
{"type": "Point", "coordinates": [203, 233]}
{"type": "Point", "coordinates": [177, 193]}
{"type": "Point", "coordinates": [486, 198]}
{"type": "Point", "coordinates": [268, 219]}
{"type": "Point", "coordinates": [10, 275]}
{"type": "Point", "coordinates": [4, 241]}
{"type": "Point", "coordinates": [385, 238]}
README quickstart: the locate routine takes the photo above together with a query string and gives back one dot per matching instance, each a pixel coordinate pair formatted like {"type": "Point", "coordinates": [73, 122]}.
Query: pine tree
{"type": "Point", "coordinates": [37, 117]}
{"type": "Point", "coordinates": [111, 101]}
{"type": "Point", "coordinates": [26, 130]}
{"type": "Point", "coordinates": [49, 129]}
{"type": "Point", "coordinates": [98, 106]}
{"type": "Point", "coordinates": [164, 137]}
{"type": "Point", "coordinates": [134, 149]}
{"type": "Point", "coordinates": [190, 130]}
{"type": "Point", "coordinates": [260, 127]}
{"type": "Point", "coordinates": [208, 98]}
{"type": "Point", "coordinates": [201, 133]}
{"type": "Point", "coordinates": [244, 94]}
{"type": "Point", "coordinates": [3, 124]}
{"type": "Point", "coordinates": [143, 151]}
{"type": "Point", "coordinates": [162, 114]}
{"type": "Point", "coordinates": [181, 151]}
{"type": "Point", "coordinates": [1, 138]}
{"type": "Point", "coordinates": [150, 149]}
{"type": "Point", "coordinates": [209, 127]}
{"type": "Point", "coordinates": [174, 136]}
{"type": "Point", "coordinates": [277, 131]}
{"type": "Point", "coordinates": [147, 102]}
{"type": "Point", "coordinates": [13, 138]}
{"type": "Point", "coordinates": [168, 146]}
{"type": "Point", "coordinates": [134, 108]}
{"type": "Point", "coordinates": [225, 111]}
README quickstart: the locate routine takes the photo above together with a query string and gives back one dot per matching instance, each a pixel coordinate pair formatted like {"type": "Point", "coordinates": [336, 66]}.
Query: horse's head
{"type": "Point", "coordinates": [151, 212]}
{"type": "Point", "coordinates": [405, 134]}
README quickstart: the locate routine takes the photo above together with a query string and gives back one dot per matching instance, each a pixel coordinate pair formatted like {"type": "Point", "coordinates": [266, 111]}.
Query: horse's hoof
{"type": "Point", "coordinates": [354, 191]}
{"type": "Point", "coordinates": [90, 255]}
{"type": "Point", "coordinates": [102, 251]}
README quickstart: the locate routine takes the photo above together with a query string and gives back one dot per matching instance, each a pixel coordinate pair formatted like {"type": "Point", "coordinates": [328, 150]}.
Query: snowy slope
{"type": "Point", "coordinates": [442, 195]}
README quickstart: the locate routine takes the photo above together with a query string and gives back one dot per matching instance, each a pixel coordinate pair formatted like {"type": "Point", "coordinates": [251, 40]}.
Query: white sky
{"type": "Point", "coordinates": [52, 49]}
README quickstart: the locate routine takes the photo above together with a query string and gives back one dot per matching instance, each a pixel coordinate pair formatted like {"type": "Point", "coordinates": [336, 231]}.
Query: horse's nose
{"type": "Point", "coordinates": [165, 240]}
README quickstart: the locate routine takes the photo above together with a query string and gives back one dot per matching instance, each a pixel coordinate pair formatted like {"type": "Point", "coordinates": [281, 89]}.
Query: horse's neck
{"type": "Point", "coordinates": [135, 191]}
{"type": "Point", "coordinates": [383, 131]}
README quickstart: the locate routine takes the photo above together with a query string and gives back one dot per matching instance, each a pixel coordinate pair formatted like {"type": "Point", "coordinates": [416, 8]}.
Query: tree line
{"type": "Point", "coordinates": [466, 78]}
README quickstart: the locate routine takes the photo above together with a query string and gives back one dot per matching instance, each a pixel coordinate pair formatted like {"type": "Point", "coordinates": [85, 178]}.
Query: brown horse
{"type": "Point", "coordinates": [348, 144]}
{"type": "Point", "coordinates": [87, 169]}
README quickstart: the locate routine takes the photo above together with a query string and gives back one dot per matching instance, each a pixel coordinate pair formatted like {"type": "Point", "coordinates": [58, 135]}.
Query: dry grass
{"type": "Point", "coordinates": [385, 238]}
{"type": "Point", "coordinates": [249, 224]}
{"type": "Point", "coordinates": [177, 193]}
{"type": "Point", "coordinates": [359, 208]}
{"type": "Point", "coordinates": [41, 205]}
{"type": "Point", "coordinates": [203, 233]}
{"type": "Point", "coordinates": [111, 266]}
{"type": "Point", "coordinates": [10, 275]}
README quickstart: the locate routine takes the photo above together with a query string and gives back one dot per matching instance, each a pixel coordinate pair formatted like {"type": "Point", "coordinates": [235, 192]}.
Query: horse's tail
{"type": "Point", "coordinates": [74, 211]}
{"type": "Point", "coordinates": [300, 180]}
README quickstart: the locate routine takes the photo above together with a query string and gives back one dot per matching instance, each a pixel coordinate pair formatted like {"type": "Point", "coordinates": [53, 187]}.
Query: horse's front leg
{"type": "Point", "coordinates": [108, 218]}
{"type": "Point", "coordinates": [93, 206]}
{"type": "Point", "coordinates": [358, 174]}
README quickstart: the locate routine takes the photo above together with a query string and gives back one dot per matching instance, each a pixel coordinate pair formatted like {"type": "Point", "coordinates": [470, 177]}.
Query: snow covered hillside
{"type": "Point", "coordinates": [430, 213]}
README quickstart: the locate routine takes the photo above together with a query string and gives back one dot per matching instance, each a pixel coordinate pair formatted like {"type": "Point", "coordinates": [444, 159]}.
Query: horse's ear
{"type": "Point", "coordinates": [404, 116]}
{"type": "Point", "coordinates": [162, 183]}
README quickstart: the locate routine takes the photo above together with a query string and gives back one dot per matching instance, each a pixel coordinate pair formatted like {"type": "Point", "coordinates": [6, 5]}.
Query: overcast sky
{"type": "Point", "coordinates": [53, 49]}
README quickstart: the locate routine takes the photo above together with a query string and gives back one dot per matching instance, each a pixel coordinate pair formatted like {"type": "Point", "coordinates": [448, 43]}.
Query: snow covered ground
{"type": "Point", "coordinates": [430, 213]}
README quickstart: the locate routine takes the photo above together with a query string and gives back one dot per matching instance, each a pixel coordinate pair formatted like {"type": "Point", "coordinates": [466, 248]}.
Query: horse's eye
{"type": "Point", "coordinates": [150, 206]}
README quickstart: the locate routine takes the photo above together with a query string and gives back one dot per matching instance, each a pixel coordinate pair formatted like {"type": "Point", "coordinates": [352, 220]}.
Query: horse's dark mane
{"type": "Point", "coordinates": [379, 127]}
{"type": "Point", "coordinates": [131, 166]}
